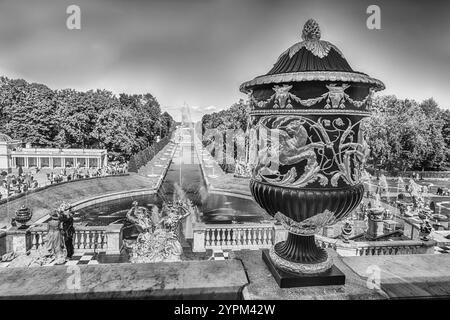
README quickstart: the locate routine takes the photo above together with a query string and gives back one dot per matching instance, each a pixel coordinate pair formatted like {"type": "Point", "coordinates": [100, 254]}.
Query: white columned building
{"type": "Point", "coordinates": [12, 155]}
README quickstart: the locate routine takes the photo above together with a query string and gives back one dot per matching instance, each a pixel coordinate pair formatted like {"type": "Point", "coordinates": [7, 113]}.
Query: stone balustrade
{"type": "Point", "coordinates": [86, 238]}
{"type": "Point", "coordinates": [236, 236]}
{"type": "Point", "coordinates": [372, 248]}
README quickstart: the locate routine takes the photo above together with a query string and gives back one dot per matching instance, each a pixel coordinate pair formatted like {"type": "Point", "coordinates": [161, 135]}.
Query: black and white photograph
{"type": "Point", "coordinates": [248, 151]}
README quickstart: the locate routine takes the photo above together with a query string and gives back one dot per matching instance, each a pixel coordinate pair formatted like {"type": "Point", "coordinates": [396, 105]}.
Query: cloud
{"type": "Point", "coordinates": [201, 51]}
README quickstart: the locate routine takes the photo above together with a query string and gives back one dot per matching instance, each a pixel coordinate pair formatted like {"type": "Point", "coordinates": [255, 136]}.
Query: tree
{"type": "Point", "coordinates": [28, 111]}
{"type": "Point", "coordinates": [404, 135]}
{"type": "Point", "coordinates": [68, 118]}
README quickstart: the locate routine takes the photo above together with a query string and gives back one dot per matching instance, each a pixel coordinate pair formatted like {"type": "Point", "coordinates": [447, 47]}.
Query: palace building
{"type": "Point", "coordinates": [12, 155]}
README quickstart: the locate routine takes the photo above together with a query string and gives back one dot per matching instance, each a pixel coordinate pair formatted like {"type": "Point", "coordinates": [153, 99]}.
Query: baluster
{"type": "Point", "coordinates": [237, 235]}
{"type": "Point", "coordinates": [220, 236]}
{"type": "Point", "coordinates": [34, 237]}
{"type": "Point", "coordinates": [103, 239]}
{"type": "Point", "coordinates": [100, 239]}
{"type": "Point", "coordinates": [40, 236]}
{"type": "Point", "coordinates": [76, 240]}
{"type": "Point", "coordinates": [87, 242]}
{"type": "Point", "coordinates": [95, 239]}
{"type": "Point", "coordinates": [260, 242]}
{"type": "Point", "coordinates": [83, 239]}
{"type": "Point", "coordinates": [80, 234]}
{"type": "Point", "coordinates": [225, 236]}
{"type": "Point", "coordinates": [265, 236]}
{"type": "Point", "coordinates": [216, 236]}
{"type": "Point", "coordinates": [244, 240]}
{"type": "Point", "coordinates": [207, 238]}
{"type": "Point", "coordinates": [91, 239]}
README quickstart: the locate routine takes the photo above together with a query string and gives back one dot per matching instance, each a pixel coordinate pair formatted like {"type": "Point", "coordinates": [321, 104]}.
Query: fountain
{"type": "Point", "coordinates": [159, 237]}
{"type": "Point", "coordinates": [213, 175]}
{"type": "Point", "coordinates": [384, 187]}
{"type": "Point", "coordinates": [242, 169]}
{"type": "Point", "coordinates": [310, 150]}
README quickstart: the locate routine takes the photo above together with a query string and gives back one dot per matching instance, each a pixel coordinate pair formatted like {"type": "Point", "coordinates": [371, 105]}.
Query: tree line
{"type": "Point", "coordinates": [141, 158]}
{"type": "Point", "coordinates": [402, 134]}
{"type": "Point", "coordinates": [123, 124]}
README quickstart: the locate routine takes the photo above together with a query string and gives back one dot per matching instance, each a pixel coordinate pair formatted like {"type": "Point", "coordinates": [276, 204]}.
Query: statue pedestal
{"type": "Point", "coordinates": [332, 276]}
{"type": "Point", "coordinates": [18, 240]}
{"type": "Point", "coordinates": [375, 229]}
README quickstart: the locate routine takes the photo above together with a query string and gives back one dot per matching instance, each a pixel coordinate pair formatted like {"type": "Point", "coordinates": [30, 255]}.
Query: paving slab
{"type": "Point", "coordinates": [406, 276]}
{"type": "Point", "coordinates": [174, 280]}
{"type": "Point", "coordinates": [262, 285]}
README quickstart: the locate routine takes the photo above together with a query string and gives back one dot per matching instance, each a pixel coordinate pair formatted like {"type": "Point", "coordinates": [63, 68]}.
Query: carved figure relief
{"type": "Point", "coordinates": [293, 140]}
{"type": "Point", "coordinates": [283, 98]}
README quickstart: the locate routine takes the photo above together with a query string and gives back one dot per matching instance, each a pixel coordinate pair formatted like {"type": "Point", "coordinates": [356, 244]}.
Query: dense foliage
{"type": "Point", "coordinates": [67, 118]}
{"type": "Point", "coordinates": [406, 135]}
{"type": "Point", "coordinates": [235, 119]}
{"type": "Point", "coordinates": [141, 158]}
{"type": "Point", "coordinates": [402, 134]}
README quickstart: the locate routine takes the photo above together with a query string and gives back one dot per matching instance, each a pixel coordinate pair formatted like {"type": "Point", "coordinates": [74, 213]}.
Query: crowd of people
{"type": "Point", "coordinates": [12, 184]}
{"type": "Point", "coordinates": [83, 173]}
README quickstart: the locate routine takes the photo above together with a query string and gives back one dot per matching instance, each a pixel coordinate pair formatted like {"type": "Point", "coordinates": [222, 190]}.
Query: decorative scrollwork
{"type": "Point", "coordinates": [299, 267]}
{"type": "Point", "coordinates": [307, 227]}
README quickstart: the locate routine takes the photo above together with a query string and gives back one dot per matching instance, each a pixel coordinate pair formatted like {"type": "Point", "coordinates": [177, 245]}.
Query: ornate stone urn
{"type": "Point", "coordinates": [22, 216]}
{"type": "Point", "coordinates": [307, 147]}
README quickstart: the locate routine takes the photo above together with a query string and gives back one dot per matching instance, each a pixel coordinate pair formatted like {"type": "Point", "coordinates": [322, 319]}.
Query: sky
{"type": "Point", "coordinates": [198, 52]}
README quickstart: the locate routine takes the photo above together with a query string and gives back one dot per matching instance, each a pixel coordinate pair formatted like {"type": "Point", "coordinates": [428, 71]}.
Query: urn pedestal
{"type": "Point", "coordinates": [307, 151]}
{"type": "Point", "coordinates": [375, 223]}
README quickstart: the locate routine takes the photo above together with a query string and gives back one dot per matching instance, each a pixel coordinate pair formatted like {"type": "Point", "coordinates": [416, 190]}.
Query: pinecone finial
{"type": "Point", "coordinates": [311, 30]}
